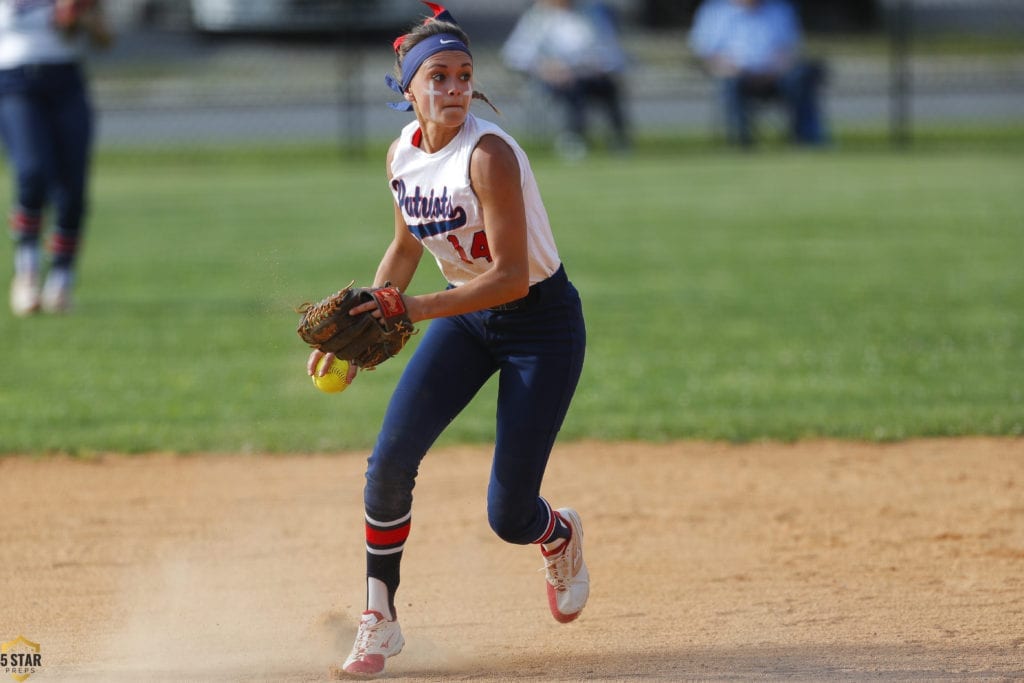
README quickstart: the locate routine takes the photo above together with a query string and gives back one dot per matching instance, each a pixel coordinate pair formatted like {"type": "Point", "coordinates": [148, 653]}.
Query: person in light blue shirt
{"type": "Point", "coordinates": [753, 48]}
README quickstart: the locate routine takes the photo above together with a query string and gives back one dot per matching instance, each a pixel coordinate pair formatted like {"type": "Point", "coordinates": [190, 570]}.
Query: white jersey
{"type": "Point", "coordinates": [442, 211]}
{"type": "Point", "coordinates": [28, 36]}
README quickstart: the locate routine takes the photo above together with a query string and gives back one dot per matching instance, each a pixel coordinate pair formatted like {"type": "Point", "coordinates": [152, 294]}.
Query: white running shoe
{"type": "Point", "coordinates": [56, 296]}
{"type": "Point", "coordinates": [25, 294]}
{"type": "Point", "coordinates": [376, 640]}
{"type": "Point", "coordinates": [567, 576]}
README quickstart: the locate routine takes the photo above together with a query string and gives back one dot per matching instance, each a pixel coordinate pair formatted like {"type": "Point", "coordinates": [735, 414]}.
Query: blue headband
{"type": "Point", "coordinates": [442, 42]}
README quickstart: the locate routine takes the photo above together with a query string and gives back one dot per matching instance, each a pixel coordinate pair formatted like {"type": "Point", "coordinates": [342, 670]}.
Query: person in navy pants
{"type": "Point", "coordinates": [46, 124]}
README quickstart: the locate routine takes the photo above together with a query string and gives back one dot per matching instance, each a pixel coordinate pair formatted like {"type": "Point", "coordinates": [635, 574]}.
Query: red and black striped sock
{"type": "Point", "coordinates": [64, 248]}
{"type": "Point", "coordinates": [25, 226]}
{"type": "Point", "coordinates": [385, 542]}
{"type": "Point", "coordinates": [556, 533]}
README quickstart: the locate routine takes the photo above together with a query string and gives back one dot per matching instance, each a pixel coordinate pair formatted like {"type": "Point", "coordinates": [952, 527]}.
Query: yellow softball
{"type": "Point", "coordinates": [334, 381]}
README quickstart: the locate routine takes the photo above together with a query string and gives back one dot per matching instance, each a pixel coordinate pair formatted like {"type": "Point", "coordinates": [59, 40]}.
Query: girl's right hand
{"type": "Point", "coordinates": [314, 358]}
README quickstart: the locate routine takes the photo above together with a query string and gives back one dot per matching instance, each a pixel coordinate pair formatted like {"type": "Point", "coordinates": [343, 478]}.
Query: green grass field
{"type": "Point", "coordinates": [861, 295]}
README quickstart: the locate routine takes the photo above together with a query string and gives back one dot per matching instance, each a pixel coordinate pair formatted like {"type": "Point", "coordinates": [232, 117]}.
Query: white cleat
{"type": "Point", "coordinates": [25, 294]}
{"type": "Point", "coordinates": [567, 576]}
{"type": "Point", "coordinates": [377, 639]}
{"type": "Point", "coordinates": [56, 296]}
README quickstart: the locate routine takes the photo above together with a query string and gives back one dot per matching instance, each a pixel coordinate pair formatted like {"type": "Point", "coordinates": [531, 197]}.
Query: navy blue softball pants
{"type": "Point", "coordinates": [537, 351]}
{"type": "Point", "coordinates": [46, 122]}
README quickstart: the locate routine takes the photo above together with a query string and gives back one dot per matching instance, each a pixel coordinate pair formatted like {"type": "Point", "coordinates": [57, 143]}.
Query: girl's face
{"type": "Point", "coordinates": [442, 88]}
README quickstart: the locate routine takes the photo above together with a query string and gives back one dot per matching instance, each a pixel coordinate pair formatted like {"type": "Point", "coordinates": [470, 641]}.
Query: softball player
{"type": "Point", "coordinates": [464, 190]}
{"type": "Point", "coordinates": [46, 123]}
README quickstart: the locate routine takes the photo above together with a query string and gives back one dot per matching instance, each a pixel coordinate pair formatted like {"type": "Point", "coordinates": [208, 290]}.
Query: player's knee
{"type": "Point", "coordinates": [387, 497]}
{"type": "Point", "coordinates": [510, 525]}
{"type": "Point", "coordinates": [31, 186]}
{"type": "Point", "coordinates": [70, 212]}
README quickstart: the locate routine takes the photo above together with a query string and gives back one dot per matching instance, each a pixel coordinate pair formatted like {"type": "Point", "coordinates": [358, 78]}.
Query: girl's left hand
{"type": "Point", "coordinates": [412, 308]}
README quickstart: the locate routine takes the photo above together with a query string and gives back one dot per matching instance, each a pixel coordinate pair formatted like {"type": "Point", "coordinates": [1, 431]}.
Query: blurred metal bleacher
{"type": "Point", "coordinates": [165, 84]}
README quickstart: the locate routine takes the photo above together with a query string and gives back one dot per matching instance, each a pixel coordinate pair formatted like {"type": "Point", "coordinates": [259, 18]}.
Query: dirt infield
{"type": "Point", "coordinates": [812, 561]}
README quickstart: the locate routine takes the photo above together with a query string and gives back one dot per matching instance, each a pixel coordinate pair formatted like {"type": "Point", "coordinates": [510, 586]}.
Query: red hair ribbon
{"type": "Point", "coordinates": [440, 14]}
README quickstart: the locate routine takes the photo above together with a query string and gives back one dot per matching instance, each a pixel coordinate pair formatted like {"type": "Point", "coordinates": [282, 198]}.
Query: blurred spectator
{"type": "Point", "coordinates": [753, 48]}
{"type": "Point", "coordinates": [573, 50]}
{"type": "Point", "coordinates": [46, 122]}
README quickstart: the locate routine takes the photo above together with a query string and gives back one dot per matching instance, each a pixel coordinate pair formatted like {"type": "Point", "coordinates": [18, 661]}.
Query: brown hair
{"type": "Point", "coordinates": [433, 27]}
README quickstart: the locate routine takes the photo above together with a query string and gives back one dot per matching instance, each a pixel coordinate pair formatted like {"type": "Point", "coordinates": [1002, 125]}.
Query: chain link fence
{"type": "Point", "coordinates": [948, 65]}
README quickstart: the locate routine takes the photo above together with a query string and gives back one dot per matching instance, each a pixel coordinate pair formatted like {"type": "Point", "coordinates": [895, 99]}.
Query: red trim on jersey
{"type": "Point", "coordinates": [417, 138]}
